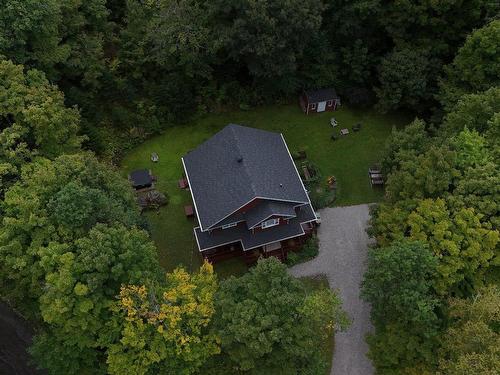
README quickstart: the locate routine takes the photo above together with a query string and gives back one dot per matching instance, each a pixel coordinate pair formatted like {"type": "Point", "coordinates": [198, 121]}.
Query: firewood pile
{"type": "Point", "coordinates": [152, 199]}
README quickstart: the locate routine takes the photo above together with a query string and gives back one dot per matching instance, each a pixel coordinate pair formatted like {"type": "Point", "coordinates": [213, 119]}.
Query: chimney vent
{"type": "Point", "coordinates": [240, 159]}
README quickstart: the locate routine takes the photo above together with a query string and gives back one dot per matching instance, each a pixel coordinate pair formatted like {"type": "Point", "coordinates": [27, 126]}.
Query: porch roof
{"type": "Point", "coordinates": [249, 240]}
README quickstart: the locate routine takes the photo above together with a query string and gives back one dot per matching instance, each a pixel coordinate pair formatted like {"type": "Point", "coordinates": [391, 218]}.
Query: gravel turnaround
{"type": "Point", "coordinates": [343, 246]}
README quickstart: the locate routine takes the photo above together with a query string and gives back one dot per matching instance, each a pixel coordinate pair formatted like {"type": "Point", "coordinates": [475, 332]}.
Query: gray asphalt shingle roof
{"type": "Point", "coordinates": [321, 95]}
{"type": "Point", "coordinates": [236, 165]}
{"type": "Point", "coordinates": [140, 177]}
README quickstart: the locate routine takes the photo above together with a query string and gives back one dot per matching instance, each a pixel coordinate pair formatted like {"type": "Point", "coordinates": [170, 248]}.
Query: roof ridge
{"type": "Point", "coordinates": [243, 161]}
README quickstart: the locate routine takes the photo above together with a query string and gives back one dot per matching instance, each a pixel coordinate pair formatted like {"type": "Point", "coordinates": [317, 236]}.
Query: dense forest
{"type": "Point", "coordinates": [82, 81]}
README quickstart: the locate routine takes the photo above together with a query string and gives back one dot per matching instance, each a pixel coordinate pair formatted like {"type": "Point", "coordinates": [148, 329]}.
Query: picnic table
{"type": "Point", "coordinates": [376, 176]}
{"type": "Point", "coordinates": [344, 131]}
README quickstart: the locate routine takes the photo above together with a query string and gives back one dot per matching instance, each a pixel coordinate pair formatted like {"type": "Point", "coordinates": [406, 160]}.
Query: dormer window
{"type": "Point", "coordinates": [230, 225]}
{"type": "Point", "coordinates": [270, 223]}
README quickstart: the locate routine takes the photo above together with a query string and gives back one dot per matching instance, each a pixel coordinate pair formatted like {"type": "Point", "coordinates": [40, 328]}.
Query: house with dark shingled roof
{"type": "Point", "coordinates": [248, 196]}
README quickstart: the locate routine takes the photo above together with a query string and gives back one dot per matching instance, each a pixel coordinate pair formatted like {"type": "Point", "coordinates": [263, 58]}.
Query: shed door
{"type": "Point", "coordinates": [321, 106]}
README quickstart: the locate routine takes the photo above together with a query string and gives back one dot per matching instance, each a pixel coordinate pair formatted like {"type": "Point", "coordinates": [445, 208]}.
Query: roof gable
{"type": "Point", "coordinates": [237, 165]}
{"type": "Point", "coordinates": [267, 209]}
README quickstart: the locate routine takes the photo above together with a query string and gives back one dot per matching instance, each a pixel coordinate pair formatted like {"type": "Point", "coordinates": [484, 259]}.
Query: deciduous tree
{"type": "Point", "coordinates": [404, 272]}
{"type": "Point", "coordinates": [399, 286]}
{"type": "Point", "coordinates": [56, 202]}
{"type": "Point", "coordinates": [475, 67]}
{"type": "Point", "coordinates": [428, 175]}
{"type": "Point", "coordinates": [471, 345]}
{"type": "Point", "coordinates": [473, 111]}
{"type": "Point", "coordinates": [64, 39]}
{"type": "Point", "coordinates": [471, 149]}
{"type": "Point", "coordinates": [33, 121]}
{"type": "Point", "coordinates": [479, 188]}
{"type": "Point", "coordinates": [405, 144]}
{"type": "Point", "coordinates": [81, 283]}
{"type": "Point", "coordinates": [404, 76]}
{"type": "Point", "coordinates": [165, 325]}
{"type": "Point", "coordinates": [267, 324]}
{"type": "Point", "coordinates": [464, 246]}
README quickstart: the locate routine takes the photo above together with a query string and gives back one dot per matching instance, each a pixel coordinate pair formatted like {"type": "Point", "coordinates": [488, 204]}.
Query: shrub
{"type": "Point", "coordinates": [309, 251]}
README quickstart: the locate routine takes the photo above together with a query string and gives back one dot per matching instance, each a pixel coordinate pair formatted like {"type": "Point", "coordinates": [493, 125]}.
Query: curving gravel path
{"type": "Point", "coordinates": [342, 256]}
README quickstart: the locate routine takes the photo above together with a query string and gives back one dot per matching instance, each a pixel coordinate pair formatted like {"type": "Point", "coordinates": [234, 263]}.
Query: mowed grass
{"type": "Point", "coordinates": [347, 158]}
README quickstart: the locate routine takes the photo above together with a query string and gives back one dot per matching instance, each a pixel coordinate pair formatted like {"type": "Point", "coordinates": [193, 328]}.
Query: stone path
{"type": "Point", "coordinates": [342, 258]}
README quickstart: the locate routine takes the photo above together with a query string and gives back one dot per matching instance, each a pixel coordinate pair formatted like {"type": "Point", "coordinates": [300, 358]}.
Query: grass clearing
{"type": "Point", "coordinates": [347, 158]}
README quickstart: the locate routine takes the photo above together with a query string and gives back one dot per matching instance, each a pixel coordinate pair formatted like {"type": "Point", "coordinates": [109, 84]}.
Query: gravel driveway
{"type": "Point", "coordinates": [342, 257]}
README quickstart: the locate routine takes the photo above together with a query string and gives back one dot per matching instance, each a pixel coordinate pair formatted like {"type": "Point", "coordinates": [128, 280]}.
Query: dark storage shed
{"type": "Point", "coordinates": [141, 179]}
{"type": "Point", "coordinates": [322, 100]}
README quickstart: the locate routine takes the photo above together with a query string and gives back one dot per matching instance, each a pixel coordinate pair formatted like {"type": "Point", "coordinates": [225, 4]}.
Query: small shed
{"type": "Point", "coordinates": [141, 179]}
{"type": "Point", "coordinates": [322, 100]}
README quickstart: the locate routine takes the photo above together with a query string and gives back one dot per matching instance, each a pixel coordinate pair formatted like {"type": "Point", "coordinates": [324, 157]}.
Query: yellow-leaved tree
{"type": "Point", "coordinates": [165, 327]}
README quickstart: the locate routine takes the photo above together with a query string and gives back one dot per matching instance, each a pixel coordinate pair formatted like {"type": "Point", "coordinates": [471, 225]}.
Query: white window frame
{"type": "Point", "coordinates": [269, 223]}
{"type": "Point", "coordinates": [230, 225]}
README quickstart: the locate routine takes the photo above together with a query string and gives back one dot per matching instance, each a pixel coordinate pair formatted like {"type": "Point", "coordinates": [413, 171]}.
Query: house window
{"type": "Point", "coordinates": [313, 106]}
{"type": "Point", "coordinates": [230, 225]}
{"type": "Point", "coordinates": [270, 223]}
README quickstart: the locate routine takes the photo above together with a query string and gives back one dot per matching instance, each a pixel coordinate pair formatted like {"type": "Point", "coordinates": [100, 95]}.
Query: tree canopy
{"type": "Point", "coordinates": [475, 67]}
{"type": "Point", "coordinates": [165, 325]}
{"type": "Point", "coordinates": [56, 201]}
{"type": "Point", "coordinates": [471, 345]}
{"type": "Point", "coordinates": [399, 286]}
{"type": "Point", "coordinates": [78, 77]}
{"type": "Point", "coordinates": [266, 322]}
{"type": "Point", "coordinates": [34, 121]}
{"type": "Point", "coordinates": [79, 290]}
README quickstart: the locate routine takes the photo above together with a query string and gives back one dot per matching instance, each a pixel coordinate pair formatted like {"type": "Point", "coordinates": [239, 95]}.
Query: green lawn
{"type": "Point", "coordinates": [347, 159]}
